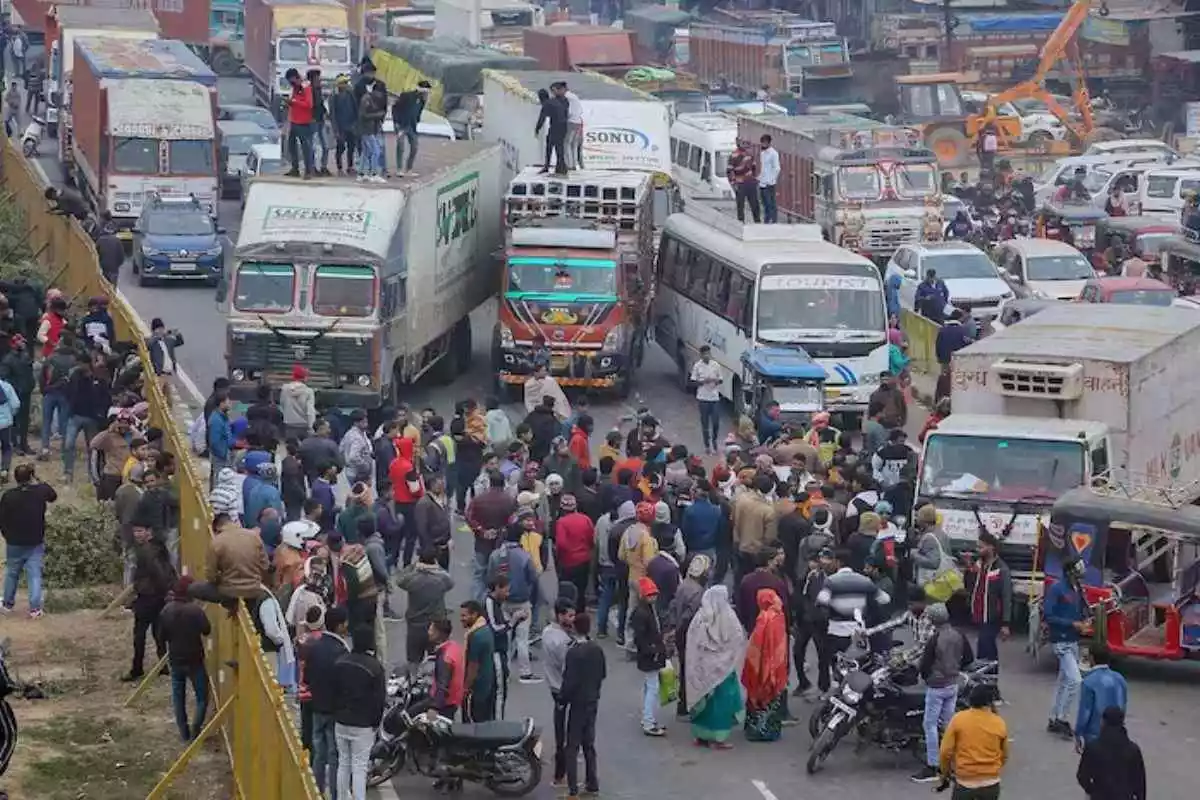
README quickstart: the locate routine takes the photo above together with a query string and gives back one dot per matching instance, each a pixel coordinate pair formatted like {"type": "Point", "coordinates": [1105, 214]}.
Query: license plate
{"type": "Point", "coordinates": [833, 392]}
{"type": "Point", "coordinates": [560, 363]}
{"type": "Point", "coordinates": [183, 266]}
{"type": "Point", "coordinates": [840, 706]}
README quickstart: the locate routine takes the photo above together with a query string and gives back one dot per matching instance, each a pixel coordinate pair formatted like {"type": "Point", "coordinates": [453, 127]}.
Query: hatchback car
{"type": "Point", "coordinates": [237, 139]}
{"type": "Point", "coordinates": [249, 113]}
{"type": "Point", "coordinates": [971, 277]}
{"type": "Point", "coordinates": [1128, 292]}
{"type": "Point", "coordinates": [1043, 268]}
{"type": "Point", "coordinates": [264, 159]}
{"type": "Point", "coordinates": [176, 239]}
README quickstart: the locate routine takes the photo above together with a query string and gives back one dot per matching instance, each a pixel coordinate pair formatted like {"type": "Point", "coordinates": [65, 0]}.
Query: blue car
{"type": "Point", "coordinates": [176, 239]}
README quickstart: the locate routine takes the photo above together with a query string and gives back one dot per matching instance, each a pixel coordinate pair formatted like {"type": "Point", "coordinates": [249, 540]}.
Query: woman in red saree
{"type": "Point", "coordinates": [765, 673]}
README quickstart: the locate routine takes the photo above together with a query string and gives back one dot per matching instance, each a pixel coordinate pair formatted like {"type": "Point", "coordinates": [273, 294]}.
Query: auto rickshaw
{"type": "Point", "coordinates": [1141, 236]}
{"type": "Point", "coordinates": [785, 375]}
{"type": "Point", "coordinates": [1140, 547]}
{"type": "Point", "coordinates": [1073, 223]}
{"type": "Point", "coordinates": [1179, 258]}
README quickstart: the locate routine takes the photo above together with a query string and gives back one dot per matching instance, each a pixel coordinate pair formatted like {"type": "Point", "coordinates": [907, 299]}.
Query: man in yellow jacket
{"type": "Point", "coordinates": [975, 749]}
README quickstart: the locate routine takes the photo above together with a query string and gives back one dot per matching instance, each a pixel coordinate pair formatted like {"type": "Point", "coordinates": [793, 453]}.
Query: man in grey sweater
{"type": "Point", "coordinates": [427, 584]}
{"type": "Point", "coordinates": [945, 655]}
{"type": "Point", "coordinates": [557, 639]}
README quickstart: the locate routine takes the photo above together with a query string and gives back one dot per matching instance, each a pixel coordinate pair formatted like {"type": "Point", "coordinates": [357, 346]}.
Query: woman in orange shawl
{"type": "Point", "coordinates": [765, 673]}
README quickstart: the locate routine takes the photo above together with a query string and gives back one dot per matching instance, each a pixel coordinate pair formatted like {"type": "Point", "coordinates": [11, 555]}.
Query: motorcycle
{"type": "Point", "coordinates": [403, 691]}
{"type": "Point", "coordinates": [32, 138]}
{"type": "Point", "coordinates": [886, 707]}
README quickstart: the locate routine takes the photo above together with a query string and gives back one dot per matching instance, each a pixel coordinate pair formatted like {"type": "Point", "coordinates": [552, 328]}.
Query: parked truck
{"type": "Point", "coordinates": [177, 19]}
{"type": "Point", "coordinates": [294, 34]}
{"type": "Point", "coordinates": [871, 187]}
{"type": "Point", "coordinates": [144, 119]}
{"type": "Point", "coordinates": [578, 267]}
{"type": "Point", "coordinates": [623, 128]}
{"type": "Point", "coordinates": [368, 285]}
{"type": "Point", "coordinates": [70, 23]}
{"type": "Point", "coordinates": [1069, 397]}
{"type": "Point", "coordinates": [779, 52]}
{"type": "Point", "coordinates": [565, 48]}
{"type": "Point", "coordinates": [227, 37]}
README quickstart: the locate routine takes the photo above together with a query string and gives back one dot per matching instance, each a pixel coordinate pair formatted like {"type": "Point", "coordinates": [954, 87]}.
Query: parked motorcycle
{"type": "Point", "coordinates": [403, 691]}
{"type": "Point", "coordinates": [32, 138]}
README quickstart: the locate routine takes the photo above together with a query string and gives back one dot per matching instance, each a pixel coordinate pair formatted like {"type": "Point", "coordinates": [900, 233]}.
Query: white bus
{"type": "Point", "coordinates": [701, 144]}
{"type": "Point", "coordinates": [733, 286]}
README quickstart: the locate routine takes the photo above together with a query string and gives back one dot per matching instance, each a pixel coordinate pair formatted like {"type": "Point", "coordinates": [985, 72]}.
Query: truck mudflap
{"type": "Point", "coordinates": [593, 369]}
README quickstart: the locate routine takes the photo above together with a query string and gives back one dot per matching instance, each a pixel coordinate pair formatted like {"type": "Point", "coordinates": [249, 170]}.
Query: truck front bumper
{"type": "Point", "coordinates": [344, 397]}
{"type": "Point", "coordinates": [589, 368]}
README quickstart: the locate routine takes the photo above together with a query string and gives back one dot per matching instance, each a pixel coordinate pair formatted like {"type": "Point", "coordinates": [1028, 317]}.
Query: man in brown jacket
{"type": "Point", "coordinates": [237, 565]}
{"type": "Point", "coordinates": [754, 524]}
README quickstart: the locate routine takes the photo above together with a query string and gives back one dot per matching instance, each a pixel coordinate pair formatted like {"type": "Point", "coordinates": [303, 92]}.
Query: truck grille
{"type": "Point", "coordinates": [892, 235]}
{"type": "Point", "coordinates": [326, 358]}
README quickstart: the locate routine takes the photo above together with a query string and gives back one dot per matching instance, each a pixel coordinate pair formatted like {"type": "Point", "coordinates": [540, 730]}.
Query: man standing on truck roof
{"type": "Point", "coordinates": [574, 140]}
{"type": "Point", "coordinates": [406, 115]}
{"type": "Point", "coordinates": [343, 111]}
{"type": "Point", "coordinates": [768, 176]}
{"type": "Point", "coordinates": [371, 109]}
{"type": "Point", "coordinates": [300, 124]}
{"type": "Point", "coordinates": [554, 115]}
{"type": "Point", "coordinates": [743, 177]}
{"type": "Point", "coordinates": [320, 112]}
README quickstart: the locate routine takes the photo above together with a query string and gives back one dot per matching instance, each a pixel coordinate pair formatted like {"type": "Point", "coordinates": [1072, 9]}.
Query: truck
{"type": "Point", "coordinates": [871, 187]}
{"type": "Point", "coordinates": [578, 269]}
{"type": "Point", "coordinates": [1072, 396]}
{"type": "Point", "coordinates": [581, 47]}
{"type": "Point", "coordinates": [144, 120]}
{"type": "Point", "coordinates": [70, 23]}
{"type": "Point", "coordinates": [368, 285]}
{"type": "Point", "coordinates": [294, 34]}
{"type": "Point", "coordinates": [746, 52]}
{"type": "Point", "coordinates": [623, 128]}
{"type": "Point", "coordinates": [186, 21]}
{"type": "Point", "coordinates": [227, 37]}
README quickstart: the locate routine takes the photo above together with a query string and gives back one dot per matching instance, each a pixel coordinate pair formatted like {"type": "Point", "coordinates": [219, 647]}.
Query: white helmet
{"type": "Point", "coordinates": [295, 534]}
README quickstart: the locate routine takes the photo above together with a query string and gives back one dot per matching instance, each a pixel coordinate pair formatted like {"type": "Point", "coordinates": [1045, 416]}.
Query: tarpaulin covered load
{"type": "Point", "coordinates": [453, 66]}
{"type": "Point", "coordinates": [1014, 23]}
{"type": "Point", "coordinates": [654, 27]}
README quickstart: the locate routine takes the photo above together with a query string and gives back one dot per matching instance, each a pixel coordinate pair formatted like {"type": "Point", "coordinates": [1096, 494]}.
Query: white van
{"type": "Point", "coordinates": [1162, 189]}
{"type": "Point", "coordinates": [700, 148]}
{"type": "Point", "coordinates": [1133, 147]}
{"type": "Point", "coordinates": [1099, 170]}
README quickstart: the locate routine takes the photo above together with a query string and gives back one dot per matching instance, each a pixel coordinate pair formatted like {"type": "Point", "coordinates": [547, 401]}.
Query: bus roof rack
{"type": "Point", "coordinates": [722, 215]}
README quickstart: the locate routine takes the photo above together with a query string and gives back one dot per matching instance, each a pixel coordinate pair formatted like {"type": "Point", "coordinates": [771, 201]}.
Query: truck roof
{"type": "Point", "coordinates": [708, 121]}
{"type": "Point", "coordinates": [1033, 427]}
{"type": "Point", "coordinates": [588, 85]}
{"type": "Point", "coordinates": [105, 17]}
{"type": "Point", "coordinates": [1089, 331]}
{"type": "Point", "coordinates": [152, 108]}
{"type": "Point", "coordinates": [847, 132]}
{"type": "Point", "coordinates": [143, 58]}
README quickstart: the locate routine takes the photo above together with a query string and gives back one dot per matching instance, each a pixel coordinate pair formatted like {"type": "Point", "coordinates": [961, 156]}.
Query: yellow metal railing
{"type": "Point", "coordinates": [922, 342]}
{"type": "Point", "coordinates": [268, 762]}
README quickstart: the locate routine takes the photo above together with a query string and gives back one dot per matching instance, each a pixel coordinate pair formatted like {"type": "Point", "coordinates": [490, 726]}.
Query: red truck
{"type": "Point", "coordinates": [186, 20]}
{"type": "Point", "coordinates": [568, 48]}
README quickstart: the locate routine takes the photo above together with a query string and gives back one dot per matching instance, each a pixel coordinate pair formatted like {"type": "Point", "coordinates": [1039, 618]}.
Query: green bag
{"type": "Point", "coordinates": [668, 685]}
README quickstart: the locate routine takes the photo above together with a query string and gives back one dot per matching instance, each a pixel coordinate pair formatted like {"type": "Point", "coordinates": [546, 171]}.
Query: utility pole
{"type": "Point", "coordinates": [948, 30]}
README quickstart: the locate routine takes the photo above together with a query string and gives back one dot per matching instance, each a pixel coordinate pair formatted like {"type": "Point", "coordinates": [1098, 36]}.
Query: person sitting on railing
{"type": "Point", "coordinates": [67, 202]}
{"type": "Point", "coordinates": [236, 565]}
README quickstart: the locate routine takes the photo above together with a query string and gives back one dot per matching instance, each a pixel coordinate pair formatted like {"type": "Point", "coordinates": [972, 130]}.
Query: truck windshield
{"type": "Point", "coordinates": [564, 277]}
{"type": "Point", "coordinates": [292, 50]}
{"type": "Point", "coordinates": [915, 180]}
{"type": "Point", "coordinates": [135, 156]}
{"type": "Point", "coordinates": [333, 53]}
{"type": "Point", "coordinates": [264, 287]}
{"type": "Point", "coordinates": [190, 157]}
{"type": "Point", "coordinates": [859, 183]}
{"type": "Point", "coordinates": [340, 291]}
{"type": "Point", "coordinates": [1000, 468]}
{"type": "Point", "coordinates": [791, 305]}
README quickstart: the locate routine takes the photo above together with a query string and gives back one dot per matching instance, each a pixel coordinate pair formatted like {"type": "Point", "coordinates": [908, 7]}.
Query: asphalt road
{"type": "Point", "coordinates": [1162, 703]}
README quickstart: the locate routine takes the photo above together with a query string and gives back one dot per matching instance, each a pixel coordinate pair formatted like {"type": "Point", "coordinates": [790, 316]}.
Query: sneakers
{"type": "Point", "coordinates": [657, 731]}
{"type": "Point", "coordinates": [1061, 728]}
{"type": "Point", "coordinates": [602, 635]}
{"type": "Point", "coordinates": [360, 178]}
{"type": "Point", "coordinates": [530, 678]}
{"type": "Point", "coordinates": [377, 179]}
{"type": "Point", "coordinates": [132, 677]}
{"type": "Point", "coordinates": [36, 613]}
{"type": "Point", "coordinates": [292, 173]}
{"type": "Point", "coordinates": [926, 774]}
{"type": "Point", "coordinates": [5, 609]}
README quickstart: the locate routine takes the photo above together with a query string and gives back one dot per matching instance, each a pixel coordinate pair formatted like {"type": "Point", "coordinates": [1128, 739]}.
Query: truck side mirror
{"type": "Point", "coordinates": [748, 397]}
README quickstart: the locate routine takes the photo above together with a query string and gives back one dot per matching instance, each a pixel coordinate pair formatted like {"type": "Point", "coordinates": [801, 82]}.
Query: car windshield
{"type": "Point", "coordinates": [861, 183]}
{"type": "Point", "coordinates": [566, 277]}
{"type": "Point", "coordinates": [1059, 268]}
{"type": "Point", "coordinates": [293, 50]}
{"type": "Point", "coordinates": [789, 305]}
{"type": "Point", "coordinates": [915, 180]}
{"type": "Point", "coordinates": [966, 264]}
{"type": "Point", "coordinates": [178, 222]}
{"type": "Point", "coordinates": [264, 287]}
{"type": "Point", "coordinates": [1000, 468]}
{"type": "Point", "coordinates": [1095, 180]}
{"type": "Point", "coordinates": [259, 116]}
{"type": "Point", "coordinates": [270, 166]}
{"type": "Point", "coordinates": [342, 291]}
{"type": "Point", "coordinates": [1161, 186]}
{"type": "Point", "coordinates": [241, 144]}
{"type": "Point", "coordinates": [190, 157]}
{"type": "Point", "coordinates": [1144, 297]}
{"type": "Point", "coordinates": [135, 156]}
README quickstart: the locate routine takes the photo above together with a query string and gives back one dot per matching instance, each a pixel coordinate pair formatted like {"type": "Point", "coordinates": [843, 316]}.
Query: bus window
{"type": "Point", "coordinates": [698, 276]}
{"type": "Point", "coordinates": [694, 159]}
{"type": "Point", "coordinates": [717, 294]}
{"type": "Point", "coordinates": [738, 307]}
{"type": "Point", "coordinates": [666, 261]}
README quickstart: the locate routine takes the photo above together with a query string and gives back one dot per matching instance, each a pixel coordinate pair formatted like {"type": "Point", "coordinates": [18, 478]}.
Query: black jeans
{"type": "Point", "coordinates": [827, 648]}
{"type": "Point", "coordinates": [622, 603]}
{"type": "Point", "coordinates": [300, 138]}
{"type": "Point", "coordinates": [408, 533]}
{"type": "Point", "coordinates": [555, 141]}
{"type": "Point", "coordinates": [804, 635]}
{"type": "Point", "coordinates": [747, 192]}
{"type": "Point", "coordinates": [416, 642]}
{"type": "Point", "coordinates": [480, 708]}
{"type": "Point", "coordinates": [347, 144]}
{"type": "Point", "coordinates": [464, 480]}
{"type": "Point", "coordinates": [21, 423]}
{"type": "Point", "coordinates": [145, 619]}
{"type": "Point", "coordinates": [408, 135]}
{"type": "Point", "coordinates": [581, 732]}
{"type": "Point", "coordinates": [981, 793]}
{"type": "Point", "coordinates": [577, 577]}
{"type": "Point", "coordinates": [560, 738]}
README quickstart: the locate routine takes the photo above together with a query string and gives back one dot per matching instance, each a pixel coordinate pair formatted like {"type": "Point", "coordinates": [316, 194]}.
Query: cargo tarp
{"type": "Point", "coordinates": [455, 65]}
{"type": "Point", "coordinates": [1015, 23]}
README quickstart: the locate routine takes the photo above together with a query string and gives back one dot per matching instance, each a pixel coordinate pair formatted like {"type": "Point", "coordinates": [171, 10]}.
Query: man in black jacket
{"type": "Point", "coordinates": [318, 657]}
{"type": "Point", "coordinates": [89, 398]}
{"type": "Point", "coordinates": [1112, 767]}
{"type": "Point", "coordinates": [184, 626]}
{"type": "Point", "coordinates": [319, 114]}
{"type": "Point", "coordinates": [111, 254]}
{"type": "Point", "coordinates": [554, 115]}
{"type": "Point", "coordinates": [153, 578]}
{"type": "Point", "coordinates": [406, 115]}
{"type": "Point", "coordinates": [362, 691]}
{"type": "Point", "coordinates": [343, 112]}
{"type": "Point", "coordinates": [23, 525]}
{"type": "Point", "coordinates": [545, 427]}
{"type": "Point", "coordinates": [583, 676]}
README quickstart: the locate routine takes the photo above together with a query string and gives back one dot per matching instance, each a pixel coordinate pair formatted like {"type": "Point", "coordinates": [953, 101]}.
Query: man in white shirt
{"type": "Point", "coordinates": [768, 176]}
{"type": "Point", "coordinates": [706, 374]}
{"type": "Point", "coordinates": [989, 143]}
{"type": "Point", "coordinates": [574, 142]}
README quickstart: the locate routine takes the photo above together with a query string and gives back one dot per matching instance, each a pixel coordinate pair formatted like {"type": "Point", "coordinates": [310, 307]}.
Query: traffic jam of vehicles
{"type": "Point", "coordinates": [733, 182]}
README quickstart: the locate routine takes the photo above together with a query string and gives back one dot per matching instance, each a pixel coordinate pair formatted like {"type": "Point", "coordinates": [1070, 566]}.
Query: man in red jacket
{"type": "Point", "coordinates": [574, 537]}
{"type": "Point", "coordinates": [580, 446]}
{"type": "Point", "coordinates": [300, 124]}
{"type": "Point", "coordinates": [407, 489]}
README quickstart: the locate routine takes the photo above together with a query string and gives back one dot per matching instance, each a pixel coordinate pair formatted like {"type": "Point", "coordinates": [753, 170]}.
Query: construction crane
{"type": "Point", "coordinates": [1063, 43]}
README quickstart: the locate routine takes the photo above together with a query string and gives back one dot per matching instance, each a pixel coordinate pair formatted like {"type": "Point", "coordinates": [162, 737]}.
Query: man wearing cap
{"type": "Point", "coordinates": [343, 113]}
{"type": "Point", "coordinates": [651, 651]}
{"type": "Point", "coordinates": [574, 540]}
{"type": "Point", "coordinates": [161, 345]}
{"type": "Point", "coordinates": [406, 114]}
{"type": "Point", "coordinates": [298, 403]}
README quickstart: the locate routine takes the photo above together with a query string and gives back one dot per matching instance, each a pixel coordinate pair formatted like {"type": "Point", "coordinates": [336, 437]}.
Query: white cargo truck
{"type": "Point", "coordinates": [367, 285]}
{"type": "Point", "coordinates": [623, 128]}
{"type": "Point", "coordinates": [1075, 395]}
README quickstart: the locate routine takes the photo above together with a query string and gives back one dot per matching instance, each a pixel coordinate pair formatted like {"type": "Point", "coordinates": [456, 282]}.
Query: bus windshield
{"type": "Point", "coordinates": [343, 291]}
{"type": "Point", "coordinates": [1000, 468]}
{"type": "Point", "coordinates": [563, 277]}
{"type": "Point", "coordinates": [264, 287]}
{"type": "Point", "coordinates": [792, 307]}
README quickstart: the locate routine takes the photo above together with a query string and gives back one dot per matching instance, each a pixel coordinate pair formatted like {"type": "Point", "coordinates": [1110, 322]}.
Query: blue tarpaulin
{"type": "Point", "coordinates": [1015, 23]}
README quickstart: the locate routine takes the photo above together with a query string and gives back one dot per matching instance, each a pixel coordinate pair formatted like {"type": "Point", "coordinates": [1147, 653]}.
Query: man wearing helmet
{"type": "Point", "coordinates": [1064, 610]}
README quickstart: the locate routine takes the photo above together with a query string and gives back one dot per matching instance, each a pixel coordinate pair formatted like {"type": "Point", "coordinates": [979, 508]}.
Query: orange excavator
{"type": "Point", "coordinates": [1063, 43]}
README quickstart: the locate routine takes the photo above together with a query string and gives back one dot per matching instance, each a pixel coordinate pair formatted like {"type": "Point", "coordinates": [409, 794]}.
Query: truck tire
{"type": "Point", "coordinates": [225, 65]}
{"type": "Point", "coordinates": [950, 145]}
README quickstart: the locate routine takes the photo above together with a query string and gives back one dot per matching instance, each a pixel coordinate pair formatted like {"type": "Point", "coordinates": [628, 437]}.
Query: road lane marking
{"type": "Point", "coordinates": [766, 793]}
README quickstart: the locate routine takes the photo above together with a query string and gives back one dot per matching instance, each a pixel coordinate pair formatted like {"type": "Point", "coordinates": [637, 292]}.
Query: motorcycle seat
{"type": "Point", "coordinates": [489, 734]}
{"type": "Point", "coordinates": [913, 695]}
{"type": "Point", "coordinates": [981, 665]}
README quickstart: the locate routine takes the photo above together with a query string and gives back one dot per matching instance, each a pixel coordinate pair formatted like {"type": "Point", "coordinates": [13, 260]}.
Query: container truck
{"type": "Point", "coordinates": [70, 23]}
{"type": "Point", "coordinates": [581, 47]}
{"type": "Point", "coordinates": [299, 34]}
{"type": "Point", "coordinates": [578, 268]}
{"type": "Point", "coordinates": [144, 118]}
{"type": "Point", "coordinates": [1072, 396]}
{"type": "Point", "coordinates": [871, 187]}
{"type": "Point", "coordinates": [177, 19]}
{"type": "Point", "coordinates": [779, 52]}
{"type": "Point", "coordinates": [227, 37]}
{"type": "Point", "coordinates": [623, 128]}
{"type": "Point", "coordinates": [368, 285]}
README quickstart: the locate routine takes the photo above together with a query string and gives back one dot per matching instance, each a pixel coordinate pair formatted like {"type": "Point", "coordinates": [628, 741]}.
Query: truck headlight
{"type": "Point", "coordinates": [364, 380]}
{"type": "Point", "coordinates": [151, 251]}
{"type": "Point", "coordinates": [213, 251]}
{"type": "Point", "coordinates": [506, 337]}
{"type": "Point", "coordinates": [871, 379]}
{"type": "Point", "coordinates": [614, 339]}
{"type": "Point", "coordinates": [238, 375]}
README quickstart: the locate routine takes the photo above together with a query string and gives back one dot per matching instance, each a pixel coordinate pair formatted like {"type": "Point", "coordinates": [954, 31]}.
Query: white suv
{"type": "Point", "coordinates": [971, 277]}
